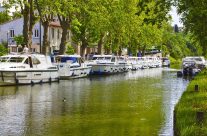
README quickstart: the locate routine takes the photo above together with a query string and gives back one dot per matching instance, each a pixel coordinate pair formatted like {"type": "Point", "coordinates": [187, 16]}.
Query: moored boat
{"type": "Point", "coordinates": [124, 63]}
{"type": "Point", "coordinates": [106, 64]}
{"type": "Point", "coordinates": [71, 66]}
{"type": "Point", "coordinates": [193, 65]}
{"type": "Point", "coordinates": [17, 69]}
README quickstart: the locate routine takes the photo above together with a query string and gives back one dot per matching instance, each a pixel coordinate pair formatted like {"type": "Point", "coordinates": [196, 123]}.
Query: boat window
{"type": "Point", "coordinates": [198, 59]}
{"type": "Point", "coordinates": [4, 59]}
{"type": "Point", "coordinates": [113, 59]}
{"type": "Point", "coordinates": [94, 58]}
{"type": "Point", "coordinates": [57, 59]}
{"type": "Point", "coordinates": [108, 58]}
{"type": "Point", "coordinates": [81, 60]}
{"type": "Point", "coordinates": [100, 58]}
{"type": "Point", "coordinates": [26, 61]}
{"type": "Point", "coordinates": [121, 59]}
{"type": "Point", "coordinates": [35, 61]}
{"type": "Point", "coordinates": [16, 59]}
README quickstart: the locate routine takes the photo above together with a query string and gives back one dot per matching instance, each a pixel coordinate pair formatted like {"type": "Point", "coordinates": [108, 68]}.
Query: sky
{"type": "Point", "coordinates": [175, 17]}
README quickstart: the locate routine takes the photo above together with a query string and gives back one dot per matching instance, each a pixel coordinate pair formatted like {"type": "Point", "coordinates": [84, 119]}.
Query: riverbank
{"type": "Point", "coordinates": [190, 115]}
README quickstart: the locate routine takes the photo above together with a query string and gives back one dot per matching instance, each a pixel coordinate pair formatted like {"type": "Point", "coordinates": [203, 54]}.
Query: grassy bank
{"type": "Point", "coordinates": [190, 115]}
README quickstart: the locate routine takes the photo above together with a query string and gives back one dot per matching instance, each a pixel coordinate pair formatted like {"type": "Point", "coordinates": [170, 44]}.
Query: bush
{"type": "Point", "coordinates": [3, 50]}
{"type": "Point", "coordinates": [70, 49]}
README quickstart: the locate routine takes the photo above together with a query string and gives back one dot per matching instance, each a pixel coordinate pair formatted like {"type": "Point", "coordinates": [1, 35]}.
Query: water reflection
{"type": "Point", "coordinates": [134, 103]}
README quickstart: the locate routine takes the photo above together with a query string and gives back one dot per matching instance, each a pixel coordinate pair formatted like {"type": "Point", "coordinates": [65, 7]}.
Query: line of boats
{"type": "Point", "coordinates": [17, 69]}
{"type": "Point", "coordinates": [192, 65]}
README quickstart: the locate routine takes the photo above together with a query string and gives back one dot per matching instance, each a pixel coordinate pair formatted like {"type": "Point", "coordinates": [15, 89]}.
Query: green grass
{"type": "Point", "coordinates": [191, 102]}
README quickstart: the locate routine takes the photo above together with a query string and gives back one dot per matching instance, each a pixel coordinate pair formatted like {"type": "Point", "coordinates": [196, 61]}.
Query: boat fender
{"type": "Point", "coordinates": [17, 81]}
{"type": "Point", "coordinates": [40, 81]}
{"type": "Point", "coordinates": [50, 80]}
{"type": "Point", "coordinates": [32, 83]}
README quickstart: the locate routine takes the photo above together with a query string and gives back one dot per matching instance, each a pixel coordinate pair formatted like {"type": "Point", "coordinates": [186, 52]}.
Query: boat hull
{"type": "Point", "coordinates": [102, 69]}
{"type": "Point", "coordinates": [71, 73]}
{"type": "Point", "coordinates": [27, 77]}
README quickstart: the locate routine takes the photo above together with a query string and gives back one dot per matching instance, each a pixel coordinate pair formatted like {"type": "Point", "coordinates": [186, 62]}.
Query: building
{"type": "Point", "coordinates": [14, 28]}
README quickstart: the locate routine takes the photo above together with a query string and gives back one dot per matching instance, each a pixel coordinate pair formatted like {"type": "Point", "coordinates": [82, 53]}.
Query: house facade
{"type": "Point", "coordinates": [14, 28]}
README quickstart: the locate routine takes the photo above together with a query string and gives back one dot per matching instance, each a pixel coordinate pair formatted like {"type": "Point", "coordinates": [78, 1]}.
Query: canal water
{"type": "Point", "coordinates": [137, 103]}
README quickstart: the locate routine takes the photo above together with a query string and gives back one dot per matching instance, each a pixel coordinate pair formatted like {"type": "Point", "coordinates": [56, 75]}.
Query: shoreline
{"type": "Point", "coordinates": [191, 111]}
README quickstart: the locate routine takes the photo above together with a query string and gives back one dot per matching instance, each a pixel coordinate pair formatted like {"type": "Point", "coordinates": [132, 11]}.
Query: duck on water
{"type": "Point", "coordinates": [26, 69]}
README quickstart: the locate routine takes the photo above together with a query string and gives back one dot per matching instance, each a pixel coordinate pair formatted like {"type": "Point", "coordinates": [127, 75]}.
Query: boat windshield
{"type": "Point", "coordinates": [4, 59]}
{"type": "Point", "coordinates": [66, 59]}
{"type": "Point", "coordinates": [98, 58]}
{"type": "Point", "coordinates": [107, 58]}
{"type": "Point", "coordinates": [121, 59]}
{"type": "Point", "coordinates": [16, 59]}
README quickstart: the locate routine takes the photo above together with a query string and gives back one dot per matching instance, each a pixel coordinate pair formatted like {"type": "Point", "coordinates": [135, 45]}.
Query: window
{"type": "Point", "coordinates": [16, 59]}
{"type": "Point", "coordinates": [36, 33]}
{"type": "Point", "coordinates": [12, 33]}
{"type": "Point", "coordinates": [53, 32]}
{"type": "Point", "coordinates": [35, 61]}
{"type": "Point", "coordinates": [14, 49]}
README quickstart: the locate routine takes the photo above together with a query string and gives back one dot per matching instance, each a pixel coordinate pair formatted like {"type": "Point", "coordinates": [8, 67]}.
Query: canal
{"type": "Point", "coordinates": [137, 103]}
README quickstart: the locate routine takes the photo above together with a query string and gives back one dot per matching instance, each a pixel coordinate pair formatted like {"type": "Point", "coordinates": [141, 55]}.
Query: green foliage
{"type": "Point", "coordinates": [3, 50]}
{"type": "Point", "coordinates": [4, 17]}
{"type": "Point", "coordinates": [70, 49]}
{"type": "Point", "coordinates": [194, 17]}
{"type": "Point", "coordinates": [19, 39]}
{"type": "Point", "coordinates": [16, 14]}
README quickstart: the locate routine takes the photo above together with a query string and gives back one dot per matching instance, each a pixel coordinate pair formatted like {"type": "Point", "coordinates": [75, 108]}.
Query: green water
{"type": "Point", "coordinates": [131, 104]}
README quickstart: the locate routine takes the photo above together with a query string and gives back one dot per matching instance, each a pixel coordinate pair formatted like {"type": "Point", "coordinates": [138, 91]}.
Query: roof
{"type": "Point", "coordinates": [55, 24]}
{"type": "Point", "coordinates": [10, 21]}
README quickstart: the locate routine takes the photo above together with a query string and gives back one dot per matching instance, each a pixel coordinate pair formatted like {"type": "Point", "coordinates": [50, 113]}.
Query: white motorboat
{"type": "Point", "coordinates": [18, 69]}
{"type": "Point", "coordinates": [136, 62]}
{"type": "Point", "coordinates": [71, 66]}
{"type": "Point", "coordinates": [124, 63]}
{"type": "Point", "coordinates": [106, 64]}
{"type": "Point", "coordinates": [154, 62]}
{"type": "Point", "coordinates": [165, 62]}
{"type": "Point", "coordinates": [193, 65]}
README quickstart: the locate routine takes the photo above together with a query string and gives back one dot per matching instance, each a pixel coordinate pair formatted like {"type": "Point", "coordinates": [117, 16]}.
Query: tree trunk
{"type": "Point", "coordinates": [32, 21]}
{"type": "Point", "coordinates": [63, 39]}
{"type": "Point", "coordinates": [100, 45]}
{"type": "Point", "coordinates": [26, 24]}
{"type": "Point", "coordinates": [45, 37]}
{"type": "Point", "coordinates": [120, 51]}
{"type": "Point", "coordinates": [83, 48]}
{"type": "Point", "coordinates": [143, 51]}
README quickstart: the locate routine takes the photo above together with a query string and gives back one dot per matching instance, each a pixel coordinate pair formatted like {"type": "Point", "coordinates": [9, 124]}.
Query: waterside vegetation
{"type": "Point", "coordinates": [190, 115]}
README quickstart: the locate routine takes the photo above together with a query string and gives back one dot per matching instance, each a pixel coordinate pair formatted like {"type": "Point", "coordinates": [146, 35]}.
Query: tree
{"type": "Point", "coordinates": [66, 11]}
{"type": "Point", "coordinates": [45, 9]}
{"type": "Point", "coordinates": [4, 17]}
{"type": "Point", "coordinates": [29, 18]}
{"type": "Point", "coordinates": [3, 50]}
{"type": "Point", "coordinates": [19, 39]}
{"type": "Point", "coordinates": [194, 17]}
